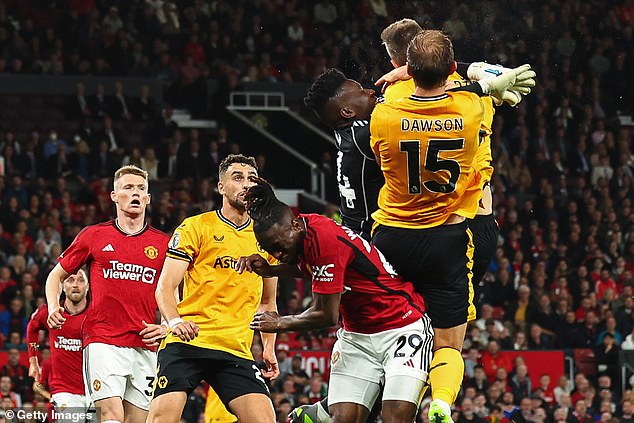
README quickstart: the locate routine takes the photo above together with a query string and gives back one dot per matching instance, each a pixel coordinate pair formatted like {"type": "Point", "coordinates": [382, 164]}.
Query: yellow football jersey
{"type": "Point", "coordinates": [215, 410]}
{"type": "Point", "coordinates": [483, 160]}
{"type": "Point", "coordinates": [426, 147]}
{"type": "Point", "coordinates": [215, 297]}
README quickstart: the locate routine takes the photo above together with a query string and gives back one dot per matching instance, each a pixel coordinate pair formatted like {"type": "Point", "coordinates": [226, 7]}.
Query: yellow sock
{"type": "Point", "coordinates": [445, 376]}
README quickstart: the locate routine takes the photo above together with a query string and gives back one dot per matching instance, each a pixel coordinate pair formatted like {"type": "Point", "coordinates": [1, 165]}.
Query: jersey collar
{"type": "Point", "coordinates": [230, 223]}
{"type": "Point", "coordinates": [120, 229]}
{"type": "Point", "coordinates": [432, 98]}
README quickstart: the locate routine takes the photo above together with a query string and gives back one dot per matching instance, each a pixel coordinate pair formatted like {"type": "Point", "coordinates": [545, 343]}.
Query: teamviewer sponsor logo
{"type": "Point", "coordinates": [68, 344]}
{"type": "Point", "coordinates": [130, 272]}
{"type": "Point", "coordinates": [323, 273]}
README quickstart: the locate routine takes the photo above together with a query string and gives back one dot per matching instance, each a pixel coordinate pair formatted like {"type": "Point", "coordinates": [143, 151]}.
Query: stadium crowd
{"type": "Point", "coordinates": [563, 274]}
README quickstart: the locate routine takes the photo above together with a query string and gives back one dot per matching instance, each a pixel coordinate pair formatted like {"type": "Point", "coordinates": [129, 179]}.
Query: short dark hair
{"type": "Point", "coordinates": [397, 36]}
{"type": "Point", "coordinates": [235, 158]}
{"type": "Point", "coordinates": [264, 207]}
{"type": "Point", "coordinates": [430, 57]}
{"type": "Point", "coordinates": [326, 86]}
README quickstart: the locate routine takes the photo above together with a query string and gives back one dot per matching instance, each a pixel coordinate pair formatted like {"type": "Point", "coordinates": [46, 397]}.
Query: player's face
{"type": "Point", "coordinates": [356, 99]}
{"type": "Point", "coordinates": [131, 194]}
{"type": "Point", "coordinates": [283, 241]}
{"type": "Point", "coordinates": [233, 185]}
{"type": "Point", "coordinates": [76, 287]}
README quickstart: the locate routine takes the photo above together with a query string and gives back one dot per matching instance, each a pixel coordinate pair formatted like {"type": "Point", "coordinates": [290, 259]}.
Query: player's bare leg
{"type": "Point", "coordinates": [110, 409]}
{"type": "Point", "coordinates": [398, 411]}
{"type": "Point", "coordinates": [133, 414]}
{"type": "Point", "coordinates": [348, 412]}
{"type": "Point", "coordinates": [167, 408]}
{"type": "Point", "coordinates": [253, 408]}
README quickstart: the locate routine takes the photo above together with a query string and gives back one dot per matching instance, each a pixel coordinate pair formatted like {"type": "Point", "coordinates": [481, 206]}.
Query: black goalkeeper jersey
{"type": "Point", "coordinates": [359, 177]}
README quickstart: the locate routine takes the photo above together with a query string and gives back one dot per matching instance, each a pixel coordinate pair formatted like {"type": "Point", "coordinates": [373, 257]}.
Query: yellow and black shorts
{"type": "Point", "coordinates": [182, 367]}
{"type": "Point", "coordinates": [439, 262]}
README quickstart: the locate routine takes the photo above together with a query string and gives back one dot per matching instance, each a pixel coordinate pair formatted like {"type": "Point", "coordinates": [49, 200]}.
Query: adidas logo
{"type": "Point", "coordinates": [109, 248]}
{"type": "Point", "coordinates": [409, 363]}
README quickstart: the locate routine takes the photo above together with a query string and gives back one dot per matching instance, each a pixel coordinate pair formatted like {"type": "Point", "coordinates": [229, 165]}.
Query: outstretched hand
{"type": "Point", "coordinates": [254, 263]}
{"type": "Point", "coordinates": [266, 321]}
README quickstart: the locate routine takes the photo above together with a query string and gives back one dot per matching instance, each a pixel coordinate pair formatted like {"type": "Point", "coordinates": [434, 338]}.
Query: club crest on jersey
{"type": "Point", "coordinates": [175, 240]}
{"type": "Point", "coordinates": [323, 273]}
{"type": "Point", "coordinates": [96, 385]}
{"type": "Point", "coordinates": [151, 252]}
{"type": "Point", "coordinates": [219, 238]}
{"type": "Point", "coordinates": [335, 357]}
{"type": "Point", "coordinates": [162, 382]}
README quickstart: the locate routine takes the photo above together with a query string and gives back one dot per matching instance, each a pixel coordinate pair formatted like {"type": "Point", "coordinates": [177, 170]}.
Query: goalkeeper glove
{"type": "Point", "coordinates": [522, 85]}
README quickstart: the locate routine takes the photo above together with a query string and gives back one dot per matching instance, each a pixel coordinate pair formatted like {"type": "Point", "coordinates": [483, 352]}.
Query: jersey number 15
{"type": "Point", "coordinates": [432, 164]}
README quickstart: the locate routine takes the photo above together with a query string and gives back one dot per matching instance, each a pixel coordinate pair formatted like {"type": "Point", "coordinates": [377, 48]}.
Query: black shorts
{"type": "Point", "coordinates": [182, 367]}
{"type": "Point", "coordinates": [485, 240]}
{"type": "Point", "coordinates": [438, 261]}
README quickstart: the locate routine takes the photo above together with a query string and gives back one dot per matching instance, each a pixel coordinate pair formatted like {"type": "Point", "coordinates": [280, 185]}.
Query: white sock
{"type": "Point", "coordinates": [323, 415]}
{"type": "Point", "coordinates": [111, 421]}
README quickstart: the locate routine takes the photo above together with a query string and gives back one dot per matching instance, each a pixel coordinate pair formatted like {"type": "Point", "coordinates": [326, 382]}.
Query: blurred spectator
{"type": "Point", "coordinates": [494, 359]}
{"type": "Point", "coordinates": [10, 398]}
{"type": "Point", "coordinates": [21, 382]}
{"type": "Point", "coordinates": [14, 319]}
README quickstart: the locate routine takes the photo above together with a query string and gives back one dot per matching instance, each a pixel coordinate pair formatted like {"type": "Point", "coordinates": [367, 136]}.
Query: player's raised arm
{"type": "Point", "coordinates": [54, 282]}
{"type": "Point", "coordinates": [171, 276]}
{"type": "Point", "coordinates": [269, 303]}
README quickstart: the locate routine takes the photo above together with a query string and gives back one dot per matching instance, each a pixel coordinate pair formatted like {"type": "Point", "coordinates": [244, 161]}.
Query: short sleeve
{"type": "Point", "coordinates": [185, 242]}
{"type": "Point", "coordinates": [328, 259]}
{"type": "Point", "coordinates": [78, 253]}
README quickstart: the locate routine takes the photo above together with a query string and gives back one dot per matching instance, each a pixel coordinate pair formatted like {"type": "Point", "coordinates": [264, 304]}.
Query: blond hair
{"type": "Point", "coordinates": [130, 170]}
{"type": "Point", "coordinates": [397, 36]}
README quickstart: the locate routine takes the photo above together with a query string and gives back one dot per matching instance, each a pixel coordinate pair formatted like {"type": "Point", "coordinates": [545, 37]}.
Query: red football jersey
{"type": "Point", "coordinates": [124, 270]}
{"type": "Point", "coordinates": [374, 297]}
{"type": "Point", "coordinates": [65, 362]}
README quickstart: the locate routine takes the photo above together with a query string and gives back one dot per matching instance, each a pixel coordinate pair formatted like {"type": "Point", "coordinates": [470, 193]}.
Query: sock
{"type": "Point", "coordinates": [322, 411]}
{"type": "Point", "coordinates": [110, 421]}
{"type": "Point", "coordinates": [445, 376]}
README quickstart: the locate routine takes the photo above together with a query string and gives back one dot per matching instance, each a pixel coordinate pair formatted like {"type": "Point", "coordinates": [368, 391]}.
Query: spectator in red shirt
{"type": "Point", "coordinates": [21, 382]}
{"type": "Point", "coordinates": [584, 308]}
{"type": "Point", "coordinates": [605, 281]}
{"type": "Point", "coordinates": [8, 394]}
{"type": "Point", "coordinates": [493, 358]}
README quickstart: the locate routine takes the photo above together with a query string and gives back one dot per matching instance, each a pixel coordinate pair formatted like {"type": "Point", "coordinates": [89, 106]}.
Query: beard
{"type": "Point", "coordinates": [237, 204]}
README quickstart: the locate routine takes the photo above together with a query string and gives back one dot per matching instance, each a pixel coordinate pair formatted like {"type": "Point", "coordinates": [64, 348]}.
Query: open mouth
{"type": "Point", "coordinates": [135, 202]}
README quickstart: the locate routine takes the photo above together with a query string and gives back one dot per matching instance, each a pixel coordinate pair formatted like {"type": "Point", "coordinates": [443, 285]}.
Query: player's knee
{"type": "Point", "coordinates": [398, 412]}
{"type": "Point", "coordinates": [342, 413]}
{"type": "Point", "coordinates": [449, 337]}
{"type": "Point", "coordinates": [109, 411]}
{"type": "Point", "coordinates": [162, 415]}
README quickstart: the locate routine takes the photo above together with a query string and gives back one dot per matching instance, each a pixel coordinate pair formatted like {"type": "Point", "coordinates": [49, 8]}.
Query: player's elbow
{"type": "Point", "coordinates": [330, 319]}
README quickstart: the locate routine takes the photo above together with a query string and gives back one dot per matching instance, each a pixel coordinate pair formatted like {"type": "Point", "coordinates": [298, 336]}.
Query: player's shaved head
{"type": "Point", "coordinates": [397, 36]}
{"type": "Point", "coordinates": [430, 58]}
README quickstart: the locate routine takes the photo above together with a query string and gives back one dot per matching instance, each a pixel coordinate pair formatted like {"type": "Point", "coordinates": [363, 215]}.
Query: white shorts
{"type": "Point", "coordinates": [124, 372]}
{"type": "Point", "coordinates": [396, 359]}
{"type": "Point", "coordinates": [70, 403]}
